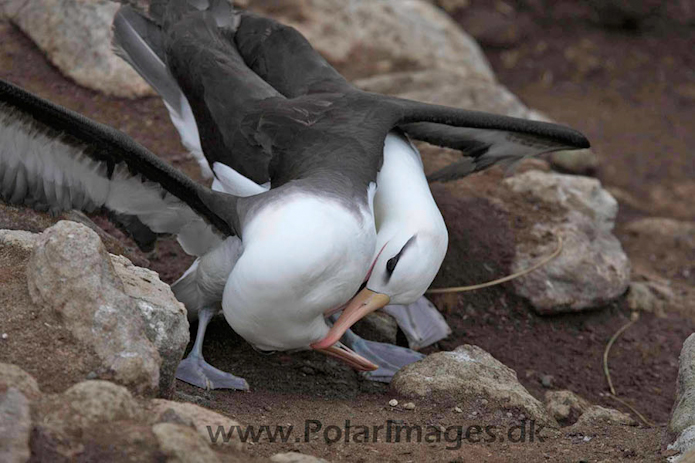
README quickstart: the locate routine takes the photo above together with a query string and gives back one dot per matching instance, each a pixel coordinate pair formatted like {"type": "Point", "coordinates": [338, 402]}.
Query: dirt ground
{"type": "Point", "coordinates": [633, 94]}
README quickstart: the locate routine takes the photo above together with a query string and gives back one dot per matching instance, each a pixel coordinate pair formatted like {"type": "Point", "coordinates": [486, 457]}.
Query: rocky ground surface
{"type": "Point", "coordinates": [523, 359]}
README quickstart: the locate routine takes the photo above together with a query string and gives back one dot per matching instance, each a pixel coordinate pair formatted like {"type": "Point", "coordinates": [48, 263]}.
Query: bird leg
{"type": "Point", "coordinates": [196, 371]}
{"type": "Point", "coordinates": [390, 358]}
{"type": "Point", "coordinates": [421, 322]}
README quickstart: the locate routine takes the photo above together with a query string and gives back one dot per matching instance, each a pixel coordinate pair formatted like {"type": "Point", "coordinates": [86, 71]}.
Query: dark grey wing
{"type": "Point", "coordinates": [285, 59]}
{"type": "Point", "coordinates": [281, 56]}
{"type": "Point", "coordinates": [484, 139]}
{"type": "Point", "coordinates": [54, 159]}
{"type": "Point", "coordinates": [191, 49]}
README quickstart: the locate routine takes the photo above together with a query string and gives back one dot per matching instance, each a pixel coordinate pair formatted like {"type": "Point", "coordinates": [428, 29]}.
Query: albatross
{"type": "Point", "coordinates": [411, 234]}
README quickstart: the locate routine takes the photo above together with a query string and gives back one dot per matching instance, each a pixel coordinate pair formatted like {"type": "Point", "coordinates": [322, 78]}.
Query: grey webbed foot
{"type": "Point", "coordinates": [421, 322]}
{"type": "Point", "coordinates": [390, 358]}
{"type": "Point", "coordinates": [196, 371]}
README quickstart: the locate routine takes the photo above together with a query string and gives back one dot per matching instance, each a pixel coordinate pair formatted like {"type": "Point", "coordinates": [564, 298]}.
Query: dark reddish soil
{"type": "Point", "coordinates": [633, 94]}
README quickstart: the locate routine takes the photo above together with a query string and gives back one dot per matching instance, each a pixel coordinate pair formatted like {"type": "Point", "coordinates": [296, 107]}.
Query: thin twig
{"type": "Point", "coordinates": [460, 289]}
{"type": "Point", "coordinates": [634, 410]}
{"type": "Point", "coordinates": [633, 318]}
{"type": "Point", "coordinates": [606, 371]}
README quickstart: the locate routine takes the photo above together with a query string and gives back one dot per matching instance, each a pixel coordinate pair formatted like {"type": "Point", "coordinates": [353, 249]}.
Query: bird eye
{"type": "Point", "coordinates": [391, 264]}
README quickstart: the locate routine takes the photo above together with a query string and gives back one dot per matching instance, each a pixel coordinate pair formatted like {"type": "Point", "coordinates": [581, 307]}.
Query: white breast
{"type": "Point", "coordinates": [302, 256]}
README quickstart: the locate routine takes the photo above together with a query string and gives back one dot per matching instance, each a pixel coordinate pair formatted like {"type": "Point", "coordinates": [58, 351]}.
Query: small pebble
{"type": "Point", "coordinates": [547, 381]}
{"type": "Point", "coordinates": [483, 401]}
{"type": "Point", "coordinates": [509, 414]}
{"type": "Point", "coordinates": [587, 438]}
{"type": "Point", "coordinates": [458, 410]}
{"type": "Point", "coordinates": [4, 335]}
{"type": "Point", "coordinates": [409, 406]}
{"type": "Point", "coordinates": [474, 413]}
{"type": "Point", "coordinates": [393, 402]}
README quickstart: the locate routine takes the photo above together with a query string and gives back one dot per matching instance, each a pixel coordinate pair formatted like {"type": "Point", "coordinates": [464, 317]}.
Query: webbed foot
{"type": "Point", "coordinates": [196, 371]}
{"type": "Point", "coordinates": [421, 322]}
{"type": "Point", "coordinates": [390, 358]}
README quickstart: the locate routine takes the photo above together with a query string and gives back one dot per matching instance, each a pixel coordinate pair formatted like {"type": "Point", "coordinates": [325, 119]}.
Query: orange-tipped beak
{"type": "Point", "coordinates": [365, 302]}
{"type": "Point", "coordinates": [344, 353]}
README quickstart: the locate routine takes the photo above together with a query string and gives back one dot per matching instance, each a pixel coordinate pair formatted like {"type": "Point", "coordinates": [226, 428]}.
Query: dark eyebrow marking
{"type": "Point", "coordinates": [391, 263]}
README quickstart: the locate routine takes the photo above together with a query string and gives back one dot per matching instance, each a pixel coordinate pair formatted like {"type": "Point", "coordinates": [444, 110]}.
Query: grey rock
{"type": "Point", "coordinates": [102, 421]}
{"type": "Point", "coordinates": [683, 413]}
{"type": "Point", "coordinates": [377, 326]}
{"type": "Point", "coordinates": [181, 444]}
{"type": "Point", "coordinates": [651, 296]}
{"type": "Point", "coordinates": [685, 446]}
{"type": "Point", "coordinates": [596, 413]}
{"type": "Point", "coordinates": [463, 376]}
{"type": "Point", "coordinates": [364, 38]}
{"type": "Point", "coordinates": [15, 426]}
{"type": "Point", "coordinates": [670, 232]}
{"type": "Point", "coordinates": [21, 239]}
{"type": "Point", "coordinates": [195, 416]}
{"type": "Point", "coordinates": [166, 323]}
{"type": "Point", "coordinates": [294, 457]}
{"type": "Point", "coordinates": [578, 162]}
{"type": "Point", "coordinates": [76, 37]}
{"type": "Point", "coordinates": [87, 404]}
{"type": "Point", "coordinates": [29, 220]}
{"type": "Point", "coordinates": [592, 268]}
{"type": "Point", "coordinates": [547, 381]}
{"type": "Point", "coordinates": [565, 406]}
{"type": "Point", "coordinates": [15, 377]}
{"type": "Point", "coordinates": [71, 273]}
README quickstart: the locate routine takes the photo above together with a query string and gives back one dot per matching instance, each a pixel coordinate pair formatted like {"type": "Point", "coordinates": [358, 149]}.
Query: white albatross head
{"type": "Point", "coordinates": [412, 237]}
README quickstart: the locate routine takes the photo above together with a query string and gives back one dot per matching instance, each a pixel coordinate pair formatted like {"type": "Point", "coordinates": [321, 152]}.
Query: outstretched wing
{"type": "Point", "coordinates": [484, 139]}
{"type": "Point", "coordinates": [283, 58]}
{"type": "Point", "coordinates": [54, 159]}
{"type": "Point", "coordinates": [189, 57]}
{"type": "Point", "coordinates": [482, 148]}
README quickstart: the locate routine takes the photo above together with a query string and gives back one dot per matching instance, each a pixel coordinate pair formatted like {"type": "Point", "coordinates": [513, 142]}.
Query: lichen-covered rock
{"type": "Point", "coordinates": [596, 413]}
{"type": "Point", "coordinates": [670, 232]}
{"type": "Point", "coordinates": [87, 404]}
{"type": "Point", "coordinates": [71, 273]}
{"type": "Point", "coordinates": [13, 376]}
{"type": "Point", "coordinates": [463, 376]}
{"type": "Point", "coordinates": [565, 406]}
{"type": "Point", "coordinates": [76, 312]}
{"type": "Point", "coordinates": [102, 421]}
{"type": "Point", "coordinates": [181, 444]}
{"type": "Point", "coordinates": [578, 162]}
{"type": "Point", "coordinates": [15, 426]}
{"type": "Point", "coordinates": [592, 268]}
{"type": "Point", "coordinates": [683, 414]}
{"type": "Point", "coordinates": [166, 323]}
{"type": "Point", "coordinates": [167, 411]}
{"type": "Point", "coordinates": [364, 38]}
{"type": "Point", "coordinates": [652, 297]}
{"type": "Point", "coordinates": [76, 37]}
{"type": "Point", "coordinates": [294, 457]}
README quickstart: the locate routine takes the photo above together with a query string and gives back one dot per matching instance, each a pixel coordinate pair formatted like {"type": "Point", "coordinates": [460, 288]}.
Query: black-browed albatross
{"type": "Point", "coordinates": [412, 237]}
{"type": "Point", "coordinates": [306, 245]}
